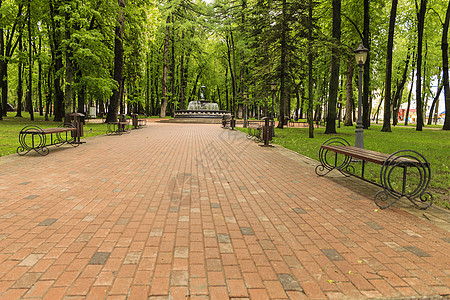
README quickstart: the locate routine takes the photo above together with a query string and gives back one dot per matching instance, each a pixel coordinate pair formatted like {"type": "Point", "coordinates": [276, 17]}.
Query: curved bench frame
{"type": "Point", "coordinates": [118, 127]}
{"type": "Point", "coordinates": [336, 153]}
{"type": "Point", "coordinates": [64, 134]}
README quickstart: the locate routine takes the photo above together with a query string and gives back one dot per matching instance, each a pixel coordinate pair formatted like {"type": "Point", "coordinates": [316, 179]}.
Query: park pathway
{"type": "Point", "coordinates": [176, 211]}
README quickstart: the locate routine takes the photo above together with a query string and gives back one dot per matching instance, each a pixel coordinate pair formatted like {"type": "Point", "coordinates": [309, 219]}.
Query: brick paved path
{"type": "Point", "coordinates": [176, 211]}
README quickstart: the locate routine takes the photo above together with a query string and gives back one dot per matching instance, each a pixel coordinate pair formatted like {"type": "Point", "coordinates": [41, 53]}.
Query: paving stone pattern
{"type": "Point", "coordinates": [178, 211]}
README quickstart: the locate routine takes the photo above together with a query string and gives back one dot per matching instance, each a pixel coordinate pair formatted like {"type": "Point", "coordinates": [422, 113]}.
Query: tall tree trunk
{"type": "Point", "coordinates": [227, 100]}
{"type": "Point", "coordinates": [420, 28]}
{"type": "Point", "coordinates": [2, 53]}
{"type": "Point", "coordinates": [425, 79]}
{"type": "Point", "coordinates": [172, 71]}
{"type": "Point", "coordinates": [156, 100]}
{"type": "Point", "coordinates": [366, 88]}
{"type": "Point", "coordinates": [186, 58]}
{"type": "Point", "coordinates": [397, 97]}
{"type": "Point", "coordinates": [30, 66]}
{"type": "Point", "coordinates": [335, 62]}
{"type": "Point", "coordinates": [147, 86]}
{"type": "Point", "coordinates": [162, 113]}
{"type": "Point", "coordinates": [233, 86]}
{"type": "Point", "coordinates": [433, 105]}
{"type": "Point", "coordinates": [302, 103]}
{"type": "Point", "coordinates": [114, 102]}
{"type": "Point", "coordinates": [349, 103]}
{"type": "Point", "coordinates": [58, 112]}
{"type": "Point", "coordinates": [310, 70]}
{"type": "Point", "coordinates": [233, 52]}
{"type": "Point", "coordinates": [81, 103]}
{"type": "Point", "coordinates": [41, 107]}
{"type": "Point", "coordinates": [409, 101]}
{"type": "Point", "coordinates": [182, 84]}
{"type": "Point", "coordinates": [19, 80]}
{"type": "Point", "coordinates": [68, 93]}
{"type": "Point", "coordinates": [7, 50]}
{"type": "Point", "coordinates": [390, 44]}
{"type": "Point", "coordinates": [444, 47]}
{"type": "Point", "coordinates": [153, 85]}
{"type": "Point", "coordinates": [48, 95]}
{"type": "Point", "coordinates": [297, 106]}
{"type": "Point", "coordinates": [283, 66]}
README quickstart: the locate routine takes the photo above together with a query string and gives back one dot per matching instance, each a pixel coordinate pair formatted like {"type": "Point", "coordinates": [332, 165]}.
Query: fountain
{"type": "Point", "coordinates": [201, 111]}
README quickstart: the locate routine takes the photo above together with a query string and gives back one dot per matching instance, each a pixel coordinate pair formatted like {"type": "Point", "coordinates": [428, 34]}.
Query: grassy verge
{"type": "Point", "coordinates": [433, 144]}
{"type": "Point", "coordinates": [10, 127]}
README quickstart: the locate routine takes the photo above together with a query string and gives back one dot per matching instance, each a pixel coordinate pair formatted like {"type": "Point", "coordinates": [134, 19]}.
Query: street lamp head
{"type": "Point", "coordinates": [273, 85]}
{"type": "Point", "coordinates": [361, 54]}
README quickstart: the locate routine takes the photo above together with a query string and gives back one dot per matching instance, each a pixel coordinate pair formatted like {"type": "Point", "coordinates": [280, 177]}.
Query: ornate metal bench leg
{"type": "Point", "coordinates": [32, 137]}
{"type": "Point", "coordinates": [405, 178]}
{"type": "Point", "coordinates": [325, 156]}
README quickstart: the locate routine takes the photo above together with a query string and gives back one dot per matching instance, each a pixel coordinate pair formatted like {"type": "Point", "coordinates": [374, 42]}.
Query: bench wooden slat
{"type": "Point", "coordinates": [52, 130]}
{"type": "Point", "coordinates": [364, 154]}
{"type": "Point", "coordinates": [55, 130]}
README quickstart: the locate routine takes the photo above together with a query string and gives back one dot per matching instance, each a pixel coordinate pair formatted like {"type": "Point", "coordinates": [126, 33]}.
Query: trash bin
{"type": "Point", "coordinates": [134, 120]}
{"type": "Point", "coordinates": [267, 131]}
{"type": "Point", "coordinates": [77, 122]}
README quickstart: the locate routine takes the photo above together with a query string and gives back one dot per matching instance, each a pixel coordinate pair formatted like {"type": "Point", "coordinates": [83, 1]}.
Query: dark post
{"type": "Point", "coordinates": [267, 132]}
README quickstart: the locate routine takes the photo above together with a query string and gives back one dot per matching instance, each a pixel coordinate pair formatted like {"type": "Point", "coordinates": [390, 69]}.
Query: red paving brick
{"type": "Point", "coordinates": [195, 211]}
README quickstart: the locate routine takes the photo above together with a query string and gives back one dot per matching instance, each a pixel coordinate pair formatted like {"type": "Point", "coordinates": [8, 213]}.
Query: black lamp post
{"type": "Point", "coordinates": [245, 110]}
{"type": "Point", "coordinates": [273, 87]}
{"type": "Point", "coordinates": [361, 56]}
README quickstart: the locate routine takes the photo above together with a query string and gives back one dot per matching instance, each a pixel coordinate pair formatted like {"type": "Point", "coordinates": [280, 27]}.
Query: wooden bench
{"type": "Point", "coordinates": [120, 126]}
{"type": "Point", "coordinates": [396, 172]}
{"type": "Point", "coordinates": [33, 137]}
{"type": "Point", "coordinates": [254, 130]}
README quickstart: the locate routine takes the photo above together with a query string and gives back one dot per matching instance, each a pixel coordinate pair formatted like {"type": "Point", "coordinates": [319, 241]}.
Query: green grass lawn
{"type": "Point", "coordinates": [432, 143]}
{"type": "Point", "coordinates": [10, 127]}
